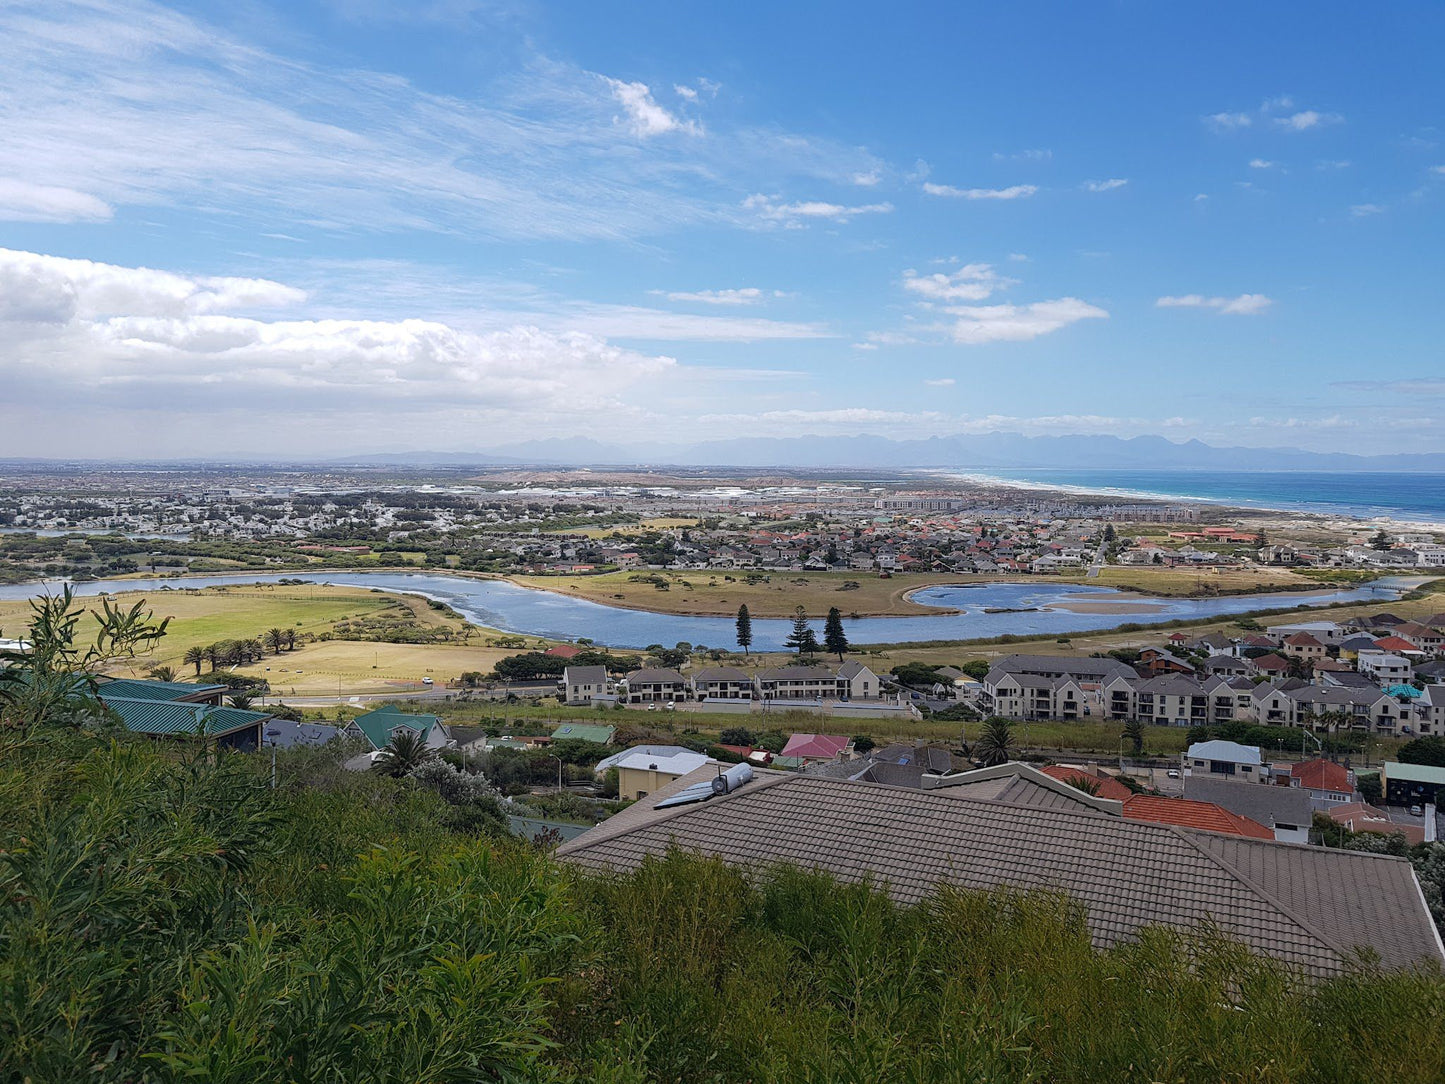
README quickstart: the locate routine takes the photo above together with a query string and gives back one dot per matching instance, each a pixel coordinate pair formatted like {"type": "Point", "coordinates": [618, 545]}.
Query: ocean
{"type": "Point", "coordinates": [1398, 495]}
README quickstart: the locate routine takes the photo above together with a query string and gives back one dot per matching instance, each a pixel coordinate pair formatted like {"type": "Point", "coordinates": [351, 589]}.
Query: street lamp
{"type": "Point", "coordinates": [558, 759]}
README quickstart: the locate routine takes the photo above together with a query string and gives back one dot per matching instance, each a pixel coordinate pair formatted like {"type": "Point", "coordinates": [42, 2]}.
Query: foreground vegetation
{"type": "Point", "coordinates": [170, 912]}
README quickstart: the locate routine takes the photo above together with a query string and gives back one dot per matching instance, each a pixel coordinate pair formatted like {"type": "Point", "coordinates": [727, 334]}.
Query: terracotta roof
{"type": "Point", "coordinates": [1271, 662]}
{"type": "Point", "coordinates": [1319, 774]}
{"type": "Point", "coordinates": [1307, 906]}
{"type": "Point", "coordinates": [1188, 814]}
{"type": "Point", "coordinates": [815, 745]}
{"type": "Point", "coordinates": [1395, 643]}
{"type": "Point", "coordinates": [1302, 639]}
{"type": "Point", "coordinates": [563, 651]}
{"type": "Point", "coordinates": [1109, 787]}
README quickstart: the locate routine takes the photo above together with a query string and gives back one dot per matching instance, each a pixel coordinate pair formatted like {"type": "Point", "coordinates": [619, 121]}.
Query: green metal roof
{"type": "Point", "coordinates": [168, 717]}
{"type": "Point", "coordinates": [1401, 772]}
{"type": "Point", "coordinates": [379, 725]}
{"type": "Point", "coordinates": [593, 732]}
{"type": "Point", "coordinates": [138, 689]}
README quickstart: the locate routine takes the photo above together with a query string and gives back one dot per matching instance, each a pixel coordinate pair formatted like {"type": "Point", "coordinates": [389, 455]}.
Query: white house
{"type": "Point", "coordinates": [1226, 759]}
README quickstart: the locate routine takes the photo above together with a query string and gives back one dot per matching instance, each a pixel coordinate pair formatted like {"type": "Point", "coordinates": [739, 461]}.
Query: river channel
{"type": "Point", "coordinates": [1021, 609]}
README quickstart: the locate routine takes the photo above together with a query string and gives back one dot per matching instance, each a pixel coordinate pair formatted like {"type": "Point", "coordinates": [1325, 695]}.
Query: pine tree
{"type": "Point", "coordinates": [745, 628]}
{"type": "Point", "coordinates": [802, 639]}
{"type": "Point", "coordinates": [835, 640]}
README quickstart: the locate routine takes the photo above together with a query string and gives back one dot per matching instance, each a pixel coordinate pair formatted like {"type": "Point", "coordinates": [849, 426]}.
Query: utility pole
{"type": "Point", "coordinates": [558, 759]}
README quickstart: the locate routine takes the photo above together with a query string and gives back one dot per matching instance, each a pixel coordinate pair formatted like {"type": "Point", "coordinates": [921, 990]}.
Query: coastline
{"type": "Point", "coordinates": [1302, 510]}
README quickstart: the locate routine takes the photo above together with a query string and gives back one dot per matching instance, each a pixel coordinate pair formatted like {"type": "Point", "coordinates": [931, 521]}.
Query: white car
{"type": "Point", "coordinates": [426, 681]}
{"type": "Point", "coordinates": [1172, 773]}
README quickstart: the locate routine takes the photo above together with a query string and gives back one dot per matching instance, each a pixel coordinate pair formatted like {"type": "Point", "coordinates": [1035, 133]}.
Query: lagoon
{"type": "Point", "coordinates": [1042, 608]}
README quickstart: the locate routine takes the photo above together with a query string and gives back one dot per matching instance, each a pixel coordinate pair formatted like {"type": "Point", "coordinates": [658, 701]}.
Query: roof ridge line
{"type": "Point", "coordinates": [692, 807]}
{"type": "Point", "coordinates": [1230, 868]}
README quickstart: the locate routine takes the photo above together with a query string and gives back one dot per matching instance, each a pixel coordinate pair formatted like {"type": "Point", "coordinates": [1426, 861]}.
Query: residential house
{"type": "Point", "coordinates": [232, 728]}
{"type": "Point", "coordinates": [584, 684]}
{"type": "Point", "coordinates": [1285, 812]}
{"type": "Point", "coordinates": [380, 726]}
{"type": "Point", "coordinates": [176, 692]}
{"type": "Point", "coordinates": [1157, 660]}
{"type": "Point", "coordinates": [857, 682]}
{"type": "Point", "coordinates": [797, 683]}
{"type": "Point", "coordinates": [1326, 783]}
{"type": "Point", "coordinates": [1301, 645]}
{"type": "Point", "coordinates": [1225, 758]}
{"type": "Point", "coordinates": [652, 687]}
{"type": "Point", "coordinates": [811, 748]}
{"type": "Point", "coordinates": [1384, 668]}
{"type": "Point", "coordinates": [722, 683]}
{"type": "Point", "coordinates": [1125, 875]}
{"type": "Point", "coordinates": [1186, 813]}
{"type": "Point", "coordinates": [597, 733]}
{"type": "Point", "coordinates": [646, 769]}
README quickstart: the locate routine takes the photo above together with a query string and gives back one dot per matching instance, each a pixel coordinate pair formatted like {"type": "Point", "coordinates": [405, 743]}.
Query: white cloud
{"type": "Point", "coordinates": [1270, 105]}
{"type": "Point", "coordinates": [1364, 210]}
{"type": "Point", "coordinates": [1018, 191]}
{"type": "Point", "coordinates": [746, 295]}
{"type": "Point", "coordinates": [1438, 169]}
{"type": "Point", "coordinates": [865, 346]}
{"type": "Point", "coordinates": [941, 382]}
{"type": "Point", "coordinates": [684, 92]}
{"type": "Point", "coordinates": [793, 214]}
{"type": "Point", "coordinates": [1261, 163]}
{"type": "Point", "coordinates": [1105, 186]}
{"type": "Point", "coordinates": [87, 290]}
{"type": "Point", "coordinates": [1201, 197]}
{"type": "Point", "coordinates": [1243, 305]}
{"type": "Point", "coordinates": [972, 282]}
{"type": "Point", "coordinates": [1336, 163]}
{"type": "Point", "coordinates": [123, 336]}
{"type": "Point", "coordinates": [1307, 119]}
{"type": "Point", "coordinates": [1225, 122]}
{"type": "Point", "coordinates": [868, 179]}
{"type": "Point", "coordinates": [23, 201]}
{"type": "Point", "coordinates": [645, 117]}
{"type": "Point", "coordinates": [1019, 323]}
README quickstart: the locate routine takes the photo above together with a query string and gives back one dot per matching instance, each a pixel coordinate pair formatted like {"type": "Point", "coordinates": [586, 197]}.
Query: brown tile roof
{"type": "Point", "coordinates": [1206, 816]}
{"type": "Point", "coordinates": [1309, 907]}
{"type": "Point", "coordinates": [1319, 774]}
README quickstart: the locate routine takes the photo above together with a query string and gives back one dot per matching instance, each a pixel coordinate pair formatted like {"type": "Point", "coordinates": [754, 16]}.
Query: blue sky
{"type": "Point", "coordinates": [325, 228]}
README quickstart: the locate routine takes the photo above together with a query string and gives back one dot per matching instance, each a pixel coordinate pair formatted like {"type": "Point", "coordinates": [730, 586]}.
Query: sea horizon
{"type": "Point", "coordinates": [1414, 497]}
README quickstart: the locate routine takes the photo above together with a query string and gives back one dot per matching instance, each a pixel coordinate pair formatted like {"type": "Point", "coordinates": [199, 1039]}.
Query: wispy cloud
{"type": "Point", "coordinates": [1017, 191]}
{"type": "Point", "coordinates": [772, 209]}
{"type": "Point", "coordinates": [1105, 186]}
{"type": "Point", "coordinates": [972, 282]}
{"type": "Point", "coordinates": [1421, 385]}
{"type": "Point", "coordinates": [746, 295]}
{"type": "Point", "coordinates": [1243, 305]}
{"type": "Point", "coordinates": [1365, 210]}
{"type": "Point", "coordinates": [1261, 163]}
{"type": "Point", "coordinates": [644, 116]}
{"type": "Point", "coordinates": [1037, 155]}
{"type": "Point", "coordinates": [1307, 119]}
{"type": "Point", "coordinates": [1018, 323]}
{"type": "Point", "coordinates": [941, 382]}
{"type": "Point", "coordinates": [1228, 122]}
{"type": "Point", "coordinates": [110, 106]}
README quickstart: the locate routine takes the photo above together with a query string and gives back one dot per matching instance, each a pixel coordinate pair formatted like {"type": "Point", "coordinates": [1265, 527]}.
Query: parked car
{"type": "Point", "coordinates": [1416, 811]}
{"type": "Point", "coordinates": [1172, 773]}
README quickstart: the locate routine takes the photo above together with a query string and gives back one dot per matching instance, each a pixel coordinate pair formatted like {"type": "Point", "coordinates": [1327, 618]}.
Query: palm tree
{"type": "Point", "coordinates": [213, 655]}
{"type": "Point", "coordinates": [163, 673]}
{"type": "Point", "coordinates": [405, 753]}
{"type": "Point", "coordinates": [274, 640]}
{"type": "Point", "coordinates": [1134, 731]}
{"type": "Point", "coordinates": [995, 743]}
{"type": "Point", "coordinates": [194, 657]}
{"type": "Point", "coordinates": [254, 650]}
{"type": "Point", "coordinates": [1084, 783]}
{"type": "Point", "coordinates": [290, 638]}
{"type": "Point", "coordinates": [241, 700]}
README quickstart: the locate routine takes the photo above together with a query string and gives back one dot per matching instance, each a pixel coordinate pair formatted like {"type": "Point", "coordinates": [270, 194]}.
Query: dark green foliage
{"type": "Point", "coordinates": [745, 628]}
{"type": "Point", "coordinates": [1424, 751]}
{"type": "Point", "coordinates": [976, 668]}
{"type": "Point", "coordinates": [917, 674]}
{"type": "Point", "coordinates": [995, 742]}
{"type": "Point", "coordinates": [736, 735]}
{"type": "Point", "coordinates": [1370, 787]}
{"type": "Point", "coordinates": [835, 640]}
{"type": "Point", "coordinates": [802, 639]}
{"type": "Point", "coordinates": [1134, 735]}
{"type": "Point", "coordinates": [403, 754]}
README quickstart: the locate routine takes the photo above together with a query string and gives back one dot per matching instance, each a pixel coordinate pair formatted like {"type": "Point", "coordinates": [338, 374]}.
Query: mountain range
{"type": "Point", "coordinates": [975, 451]}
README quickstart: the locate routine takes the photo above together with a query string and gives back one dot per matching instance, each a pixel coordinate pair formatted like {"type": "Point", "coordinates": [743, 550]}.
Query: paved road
{"type": "Point", "coordinates": [1098, 562]}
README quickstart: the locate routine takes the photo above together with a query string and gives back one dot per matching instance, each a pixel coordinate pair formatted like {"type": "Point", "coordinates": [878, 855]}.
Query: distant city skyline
{"type": "Point", "coordinates": [334, 227]}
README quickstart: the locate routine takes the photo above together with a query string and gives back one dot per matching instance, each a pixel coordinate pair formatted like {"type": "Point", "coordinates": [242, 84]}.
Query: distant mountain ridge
{"type": "Point", "coordinates": [981, 451]}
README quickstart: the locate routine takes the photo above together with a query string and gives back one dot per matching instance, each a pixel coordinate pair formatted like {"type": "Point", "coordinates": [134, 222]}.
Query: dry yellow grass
{"type": "Point", "coordinates": [718, 592]}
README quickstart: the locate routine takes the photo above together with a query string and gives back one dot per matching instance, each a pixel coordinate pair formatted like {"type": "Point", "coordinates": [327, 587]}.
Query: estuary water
{"type": "Point", "coordinates": [1036, 608]}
